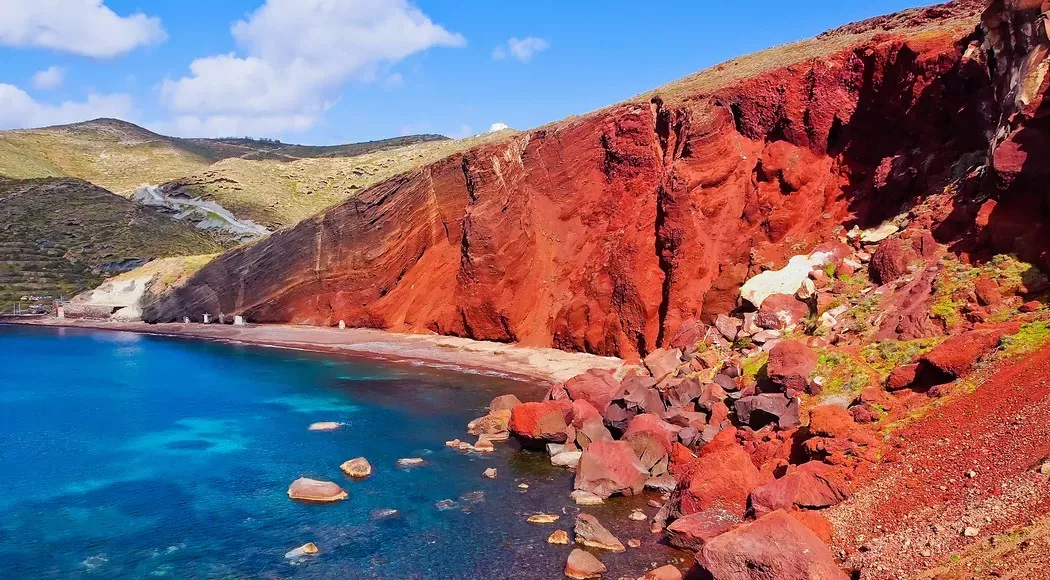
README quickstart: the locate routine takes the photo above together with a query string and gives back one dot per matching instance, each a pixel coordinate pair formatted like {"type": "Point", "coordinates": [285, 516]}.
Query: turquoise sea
{"type": "Point", "coordinates": [129, 456]}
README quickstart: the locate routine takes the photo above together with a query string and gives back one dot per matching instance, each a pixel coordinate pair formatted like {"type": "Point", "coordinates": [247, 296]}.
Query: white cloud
{"type": "Point", "coordinates": [49, 79]}
{"type": "Point", "coordinates": [297, 56]}
{"type": "Point", "coordinates": [85, 27]}
{"type": "Point", "coordinates": [521, 49]}
{"type": "Point", "coordinates": [498, 127]}
{"type": "Point", "coordinates": [18, 110]}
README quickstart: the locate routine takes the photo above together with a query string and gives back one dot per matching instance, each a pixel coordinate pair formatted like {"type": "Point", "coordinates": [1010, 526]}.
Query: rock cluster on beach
{"type": "Point", "coordinates": [754, 423]}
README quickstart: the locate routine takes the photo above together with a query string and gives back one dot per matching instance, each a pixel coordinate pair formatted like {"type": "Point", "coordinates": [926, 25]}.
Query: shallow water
{"type": "Point", "coordinates": [131, 456]}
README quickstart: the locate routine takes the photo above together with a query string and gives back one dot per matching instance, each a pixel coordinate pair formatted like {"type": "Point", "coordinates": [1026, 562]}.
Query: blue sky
{"type": "Point", "coordinates": [324, 71]}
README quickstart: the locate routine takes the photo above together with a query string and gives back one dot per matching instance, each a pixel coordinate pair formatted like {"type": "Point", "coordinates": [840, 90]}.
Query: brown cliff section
{"type": "Point", "coordinates": [604, 233]}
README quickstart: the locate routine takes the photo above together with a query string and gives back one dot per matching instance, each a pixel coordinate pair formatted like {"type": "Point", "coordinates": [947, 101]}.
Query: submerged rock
{"type": "Point", "coordinates": [667, 572]}
{"type": "Point", "coordinates": [586, 498]}
{"type": "Point", "coordinates": [582, 565]}
{"type": "Point", "coordinates": [357, 468]}
{"type": "Point", "coordinates": [307, 549]}
{"type": "Point", "coordinates": [326, 426]}
{"type": "Point", "coordinates": [410, 462]}
{"type": "Point", "coordinates": [590, 532]}
{"type": "Point", "coordinates": [312, 490]}
{"type": "Point", "coordinates": [559, 537]}
{"type": "Point", "coordinates": [543, 518]}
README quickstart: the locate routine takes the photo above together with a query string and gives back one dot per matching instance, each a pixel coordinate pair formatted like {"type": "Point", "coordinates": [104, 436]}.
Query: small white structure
{"type": "Point", "coordinates": [185, 319]}
{"type": "Point", "coordinates": [207, 318]}
{"type": "Point", "coordinates": [238, 321]}
{"type": "Point", "coordinates": [342, 325]}
{"type": "Point", "coordinates": [61, 311]}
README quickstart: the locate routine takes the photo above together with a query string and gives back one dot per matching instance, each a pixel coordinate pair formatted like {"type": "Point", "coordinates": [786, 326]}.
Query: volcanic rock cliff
{"type": "Point", "coordinates": [605, 233]}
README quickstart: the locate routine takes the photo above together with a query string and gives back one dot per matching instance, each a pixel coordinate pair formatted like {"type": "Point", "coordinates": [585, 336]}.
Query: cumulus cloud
{"type": "Point", "coordinates": [296, 56]}
{"type": "Point", "coordinates": [498, 127]}
{"type": "Point", "coordinates": [49, 79]}
{"type": "Point", "coordinates": [84, 27]}
{"type": "Point", "coordinates": [521, 49]}
{"type": "Point", "coordinates": [19, 111]}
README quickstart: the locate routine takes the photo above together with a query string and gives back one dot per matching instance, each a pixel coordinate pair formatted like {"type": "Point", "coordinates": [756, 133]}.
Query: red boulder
{"type": "Point", "coordinates": [813, 485]}
{"type": "Point", "coordinates": [692, 531]}
{"type": "Point", "coordinates": [610, 467]}
{"type": "Point", "coordinates": [596, 386]}
{"type": "Point", "coordinates": [791, 365]}
{"type": "Point", "coordinates": [774, 547]}
{"type": "Point", "coordinates": [780, 311]}
{"type": "Point", "coordinates": [831, 421]}
{"type": "Point", "coordinates": [957, 355]}
{"type": "Point", "coordinates": [891, 260]}
{"type": "Point", "coordinates": [720, 480]}
{"type": "Point", "coordinates": [536, 424]}
{"type": "Point", "coordinates": [651, 438]}
{"type": "Point", "coordinates": [902, 377]}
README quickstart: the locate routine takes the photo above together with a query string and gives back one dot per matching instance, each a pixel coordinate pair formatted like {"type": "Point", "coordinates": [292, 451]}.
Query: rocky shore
{"type": "Point", "coordinates": [753, 426]}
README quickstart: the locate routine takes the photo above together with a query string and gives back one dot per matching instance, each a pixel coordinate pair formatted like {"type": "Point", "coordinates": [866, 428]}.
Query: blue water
{"type": "Point", "coordinates": [131, 456]}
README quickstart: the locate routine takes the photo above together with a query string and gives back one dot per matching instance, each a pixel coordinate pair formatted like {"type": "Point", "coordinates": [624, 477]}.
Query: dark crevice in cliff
{"type": "Point", "coordinates": [664, 251]}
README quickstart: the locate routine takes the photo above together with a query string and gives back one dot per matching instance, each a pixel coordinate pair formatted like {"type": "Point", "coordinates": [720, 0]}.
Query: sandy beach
{"type": "Point", "coordinates": [533, 364]}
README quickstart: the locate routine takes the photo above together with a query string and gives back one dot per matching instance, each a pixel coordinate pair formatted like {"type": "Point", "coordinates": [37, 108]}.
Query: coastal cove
{"type": "Point", "coordinates": [139, 456]}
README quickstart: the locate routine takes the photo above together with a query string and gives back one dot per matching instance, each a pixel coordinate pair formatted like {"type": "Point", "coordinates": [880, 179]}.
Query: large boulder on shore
{"type": "Point", "coordinates": [773, 547]}
{"type": "Point", "coordinates": [504, 403]}
{"type": "Point", "coordinates": [791, 365]}
{"type": "Point", "coordinates": [812, 485]}
{"type": "Point", "coordinates": [610, 467]}
{"type": "Point", "coordinates": [721, 480]}
{"type": "Point", "coordinates": [691, 532]}
{"type": "Point", "coordinates": [651, 438]}
{"type": "Point", "coordinates": [589, 424]}
{"type": "Point", "coordinates": [536, 424]}
{"type": "Point", "coordinates": [596, 386]}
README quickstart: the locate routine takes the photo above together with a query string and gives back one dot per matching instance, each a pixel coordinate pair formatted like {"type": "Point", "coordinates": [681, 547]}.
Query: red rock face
{"type": "Point", "coordinates": [605, 233]}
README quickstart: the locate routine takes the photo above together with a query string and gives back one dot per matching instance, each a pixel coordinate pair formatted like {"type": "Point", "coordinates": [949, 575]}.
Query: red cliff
{"type": "Point", "coordinates": [604, 233]}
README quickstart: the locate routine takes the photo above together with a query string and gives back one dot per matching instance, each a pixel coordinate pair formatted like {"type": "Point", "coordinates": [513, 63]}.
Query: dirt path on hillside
{"type": "Point", "coordinates": [972, 463]}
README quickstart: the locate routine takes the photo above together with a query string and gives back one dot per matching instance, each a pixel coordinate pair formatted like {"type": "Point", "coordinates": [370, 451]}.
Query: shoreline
{"type": "Point", "coordinates": [542, 365]}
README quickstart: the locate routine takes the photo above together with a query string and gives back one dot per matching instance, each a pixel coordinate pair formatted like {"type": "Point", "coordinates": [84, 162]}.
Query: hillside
{"type": "Point", "coordinates": [59, 236]}
{"type": "Point", "coordinates": [278, 192]}
{"type": "Point", "coordinates": [121, 156]}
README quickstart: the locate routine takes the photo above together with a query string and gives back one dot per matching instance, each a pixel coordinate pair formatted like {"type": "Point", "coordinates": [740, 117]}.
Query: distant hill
{"type": "Point", "coordinates": [59, 236]}
{"type": "Point", "coordinates": [278, 193]}
{"type": "Point", "coordinates": [122, 156]}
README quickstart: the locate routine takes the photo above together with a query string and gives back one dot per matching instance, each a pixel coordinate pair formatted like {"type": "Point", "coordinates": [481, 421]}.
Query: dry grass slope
{"type": "Point", "coordinates": [280, 194]}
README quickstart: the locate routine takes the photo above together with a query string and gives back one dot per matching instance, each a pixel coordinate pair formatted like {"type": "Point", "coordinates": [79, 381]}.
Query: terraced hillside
{"type": "Point", "coordinates": [59, 236]}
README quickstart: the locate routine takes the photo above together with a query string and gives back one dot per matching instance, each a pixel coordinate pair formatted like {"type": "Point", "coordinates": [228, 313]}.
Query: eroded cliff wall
{"type": "Point", "coordinates": [605, 233]}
